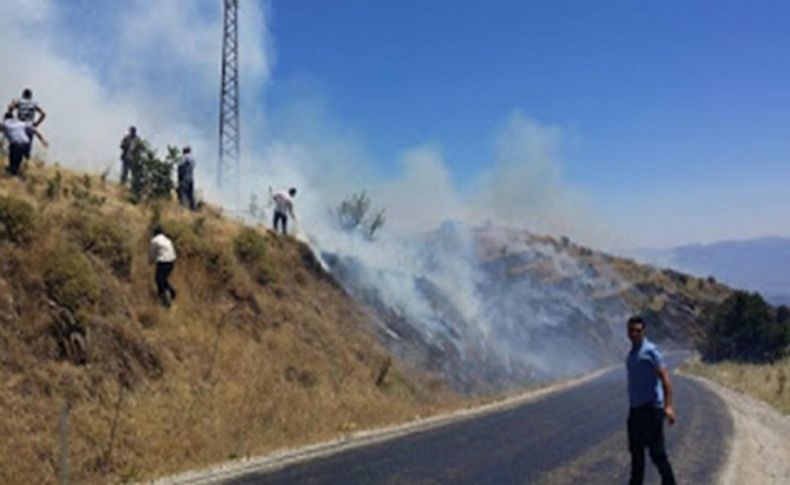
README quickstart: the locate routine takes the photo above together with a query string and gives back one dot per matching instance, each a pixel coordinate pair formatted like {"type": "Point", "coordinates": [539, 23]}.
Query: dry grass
{"type": "Point", "coordinates": [767, 382]}
{"type": "Point", "coordinates": [242, 364]}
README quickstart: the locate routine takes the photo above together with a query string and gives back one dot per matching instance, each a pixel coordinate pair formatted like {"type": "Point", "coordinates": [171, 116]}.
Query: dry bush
{"type": "Point", "coordinates": [17, 220]}
{"type": "Point", "coordinates": [250, 249]}
{"type": "Point", "coordinates": [69, 277]}
{"type": "Point", "coordinates": [104, 237]}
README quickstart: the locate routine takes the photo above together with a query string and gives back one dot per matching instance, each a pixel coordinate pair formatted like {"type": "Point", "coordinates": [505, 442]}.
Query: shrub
{"type": "Point", "coordinates": [353, 214]}
{"type": "Point", "coordinates": [152, 177]}
{"type": "Point", "coordinates": [107, 239]}
{"type": "Point", "coordinates": [250, 248]}
{"type": "Point", "coordinates": [745, 328]}
{"type": "Point", "coordinates": [217, 263]}
{"type": "Point", "coordinates": [69, 277]}
{"type": "Point", "coordinates": [188, 244]}
{"type": "Point", "coordinates": [17, 220]}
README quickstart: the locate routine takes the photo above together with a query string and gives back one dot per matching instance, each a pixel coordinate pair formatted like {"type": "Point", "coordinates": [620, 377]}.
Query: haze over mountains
{"type": "Point", "coordinates": [755, 264]}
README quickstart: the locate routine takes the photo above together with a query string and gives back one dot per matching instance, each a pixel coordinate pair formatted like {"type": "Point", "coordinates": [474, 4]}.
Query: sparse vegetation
{"type": "Point", "coordinates": [232, 369]}
{"type": "Point", "coordinates": [354, 214]}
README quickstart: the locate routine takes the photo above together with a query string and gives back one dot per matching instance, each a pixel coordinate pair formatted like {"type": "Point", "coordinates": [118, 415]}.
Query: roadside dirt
{"type": "Point", "coordinates": [761, 440]}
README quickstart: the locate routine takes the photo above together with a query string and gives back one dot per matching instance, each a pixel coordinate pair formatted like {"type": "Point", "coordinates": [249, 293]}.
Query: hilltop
{"type": "Point", "coordinates": [262, 349]}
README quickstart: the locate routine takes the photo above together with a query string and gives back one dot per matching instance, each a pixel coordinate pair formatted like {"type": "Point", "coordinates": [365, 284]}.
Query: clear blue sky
{"type": "Point", "coordinates": [656, 100]}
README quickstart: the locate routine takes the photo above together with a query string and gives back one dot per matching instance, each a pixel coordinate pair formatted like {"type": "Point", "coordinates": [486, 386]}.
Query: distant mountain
{"type": "Point", "coordinates": [756, 265]}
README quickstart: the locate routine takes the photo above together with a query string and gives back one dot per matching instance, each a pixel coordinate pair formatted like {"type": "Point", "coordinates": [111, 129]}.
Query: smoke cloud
{"type": "Point", "coordinates": [155, 63]}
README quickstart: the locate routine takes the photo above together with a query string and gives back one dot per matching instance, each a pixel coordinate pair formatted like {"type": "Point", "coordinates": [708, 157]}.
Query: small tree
{"type": "Point", "coordinates": [152, 178]}
{"type": "Point", "coordinates": [353, 213]}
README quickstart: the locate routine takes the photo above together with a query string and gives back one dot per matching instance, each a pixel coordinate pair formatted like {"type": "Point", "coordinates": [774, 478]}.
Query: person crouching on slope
{"type": "Point", "coordinates": [650, 396]}
{"type": "Point", "coordinates": [19, 134]}
{"type": "Point", "coordinates": [162, 252]}
{"type": "Point", "coordinates": [283, 207]}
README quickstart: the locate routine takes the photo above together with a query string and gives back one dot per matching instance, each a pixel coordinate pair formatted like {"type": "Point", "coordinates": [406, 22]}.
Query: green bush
{"type": "Point", "coordinates": [745, 328]}
{"type": "Point", "coordinates": [107, 239]}
{"type": "Point", "coordinates": [17, 220]}
{"type": "Point", "coordinates": [69, 278]}
{"type": "Point", "coordinates": [152, 178]}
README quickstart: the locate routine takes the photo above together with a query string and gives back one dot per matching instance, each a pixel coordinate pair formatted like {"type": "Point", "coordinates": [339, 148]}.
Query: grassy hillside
{"type": "Point", "coordinates": [261, 349]}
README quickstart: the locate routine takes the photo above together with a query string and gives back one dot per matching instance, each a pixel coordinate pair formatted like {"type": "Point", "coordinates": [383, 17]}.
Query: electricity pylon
{"type": "Point", "coordinates": [229, 128]}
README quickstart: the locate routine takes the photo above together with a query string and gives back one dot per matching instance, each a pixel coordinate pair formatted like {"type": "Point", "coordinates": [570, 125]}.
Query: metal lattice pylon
{"type": "Point", "coordinates": [229, 128]}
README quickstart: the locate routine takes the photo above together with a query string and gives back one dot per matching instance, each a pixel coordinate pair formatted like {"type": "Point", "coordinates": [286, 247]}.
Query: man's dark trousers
{"type": "Point", "coordinates": [646, 430]}
{"type": "Point", "coordinates": [163, 288]}
{"type": "Point", "coordinates": [16, 153]}
{"type": "Point", "coordinates": [186, 193]}
{"type": "Point", "coordinates": [280, 219]}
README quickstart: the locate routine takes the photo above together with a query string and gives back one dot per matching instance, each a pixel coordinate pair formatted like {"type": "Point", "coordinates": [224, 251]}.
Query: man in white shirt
{"type": "Point", "coordinates": [26, 111]}
{"type": "Point", "coordinates": [283, 207]}
{"type": "Point", "coordinates": [19, 135]}
{"type": "Point", "coordinates": [162, 252]}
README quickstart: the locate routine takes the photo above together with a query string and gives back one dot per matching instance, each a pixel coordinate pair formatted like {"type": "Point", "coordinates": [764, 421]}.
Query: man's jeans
{"type": "Point", "coordinates": [16, 154]}
{"type": "Point", "coordinates": [646, 430]}
{"type": "Point", "coordinates": [163, 288]}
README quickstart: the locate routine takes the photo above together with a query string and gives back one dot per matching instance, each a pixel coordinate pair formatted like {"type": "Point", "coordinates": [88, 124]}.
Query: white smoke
{"type": "Point", "coordinates": [159, 72]}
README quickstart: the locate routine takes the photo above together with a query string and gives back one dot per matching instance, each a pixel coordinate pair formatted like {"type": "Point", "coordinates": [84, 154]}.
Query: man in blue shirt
{"type": "Point", "coordinates": [650, 396]}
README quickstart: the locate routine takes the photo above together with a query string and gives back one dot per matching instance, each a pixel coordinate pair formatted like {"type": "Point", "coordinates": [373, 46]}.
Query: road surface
{"type": "Point", "coordinates": [572, 436]}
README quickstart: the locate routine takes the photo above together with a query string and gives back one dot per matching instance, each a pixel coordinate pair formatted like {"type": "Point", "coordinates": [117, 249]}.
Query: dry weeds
{"type": "Point", "coordinates": [238, 367]}
{"type": "Point", "coordinates": [766, 382]}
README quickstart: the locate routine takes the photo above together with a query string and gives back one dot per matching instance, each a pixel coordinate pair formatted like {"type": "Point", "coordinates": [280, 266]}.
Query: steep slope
{"type": "Point", "coordinates": [492, 308]}
{"type": "Point", "coordinates": [262, 348]}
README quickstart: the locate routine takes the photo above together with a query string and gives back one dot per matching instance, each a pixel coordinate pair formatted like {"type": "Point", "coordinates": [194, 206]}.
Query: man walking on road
{"type": "Point", "coordinates": [162, 252]}
{"type": "Point", "coordinates": [650, 396]}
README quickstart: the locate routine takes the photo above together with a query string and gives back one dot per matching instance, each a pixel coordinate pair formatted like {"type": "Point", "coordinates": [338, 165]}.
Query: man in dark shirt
{"type": "Point", "coordinates": [186, 179]}
{"type": "Point", "coordinates": [129, 145]}
{"type": "Point", "coordinates": [650, 396]}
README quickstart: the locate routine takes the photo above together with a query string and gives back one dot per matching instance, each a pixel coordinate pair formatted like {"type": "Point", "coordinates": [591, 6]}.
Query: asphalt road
{"type": "Point", "coordinates": [573, 436]}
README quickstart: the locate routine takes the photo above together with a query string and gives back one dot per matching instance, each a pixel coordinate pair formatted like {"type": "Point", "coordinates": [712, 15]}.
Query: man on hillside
{"type": "Point", "coordinates": [26, 110]}
{"type": "Point", "coordinates": [163, 254]}
{"type": "Point", "coordinates": [650, 396]}
{"type": "Point", "coordinates": [186, 179]}
{"type": "Point", "coordinates": [129, 145]}
{"type": "Point", "coordinates": [19, 134]}
{"type": "Point", "coordinates": [283, 207]}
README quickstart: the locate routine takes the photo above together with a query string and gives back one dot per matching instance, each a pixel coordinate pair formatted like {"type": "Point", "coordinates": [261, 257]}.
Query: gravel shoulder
{"type": "Point", "coordinates": [760, 445]}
